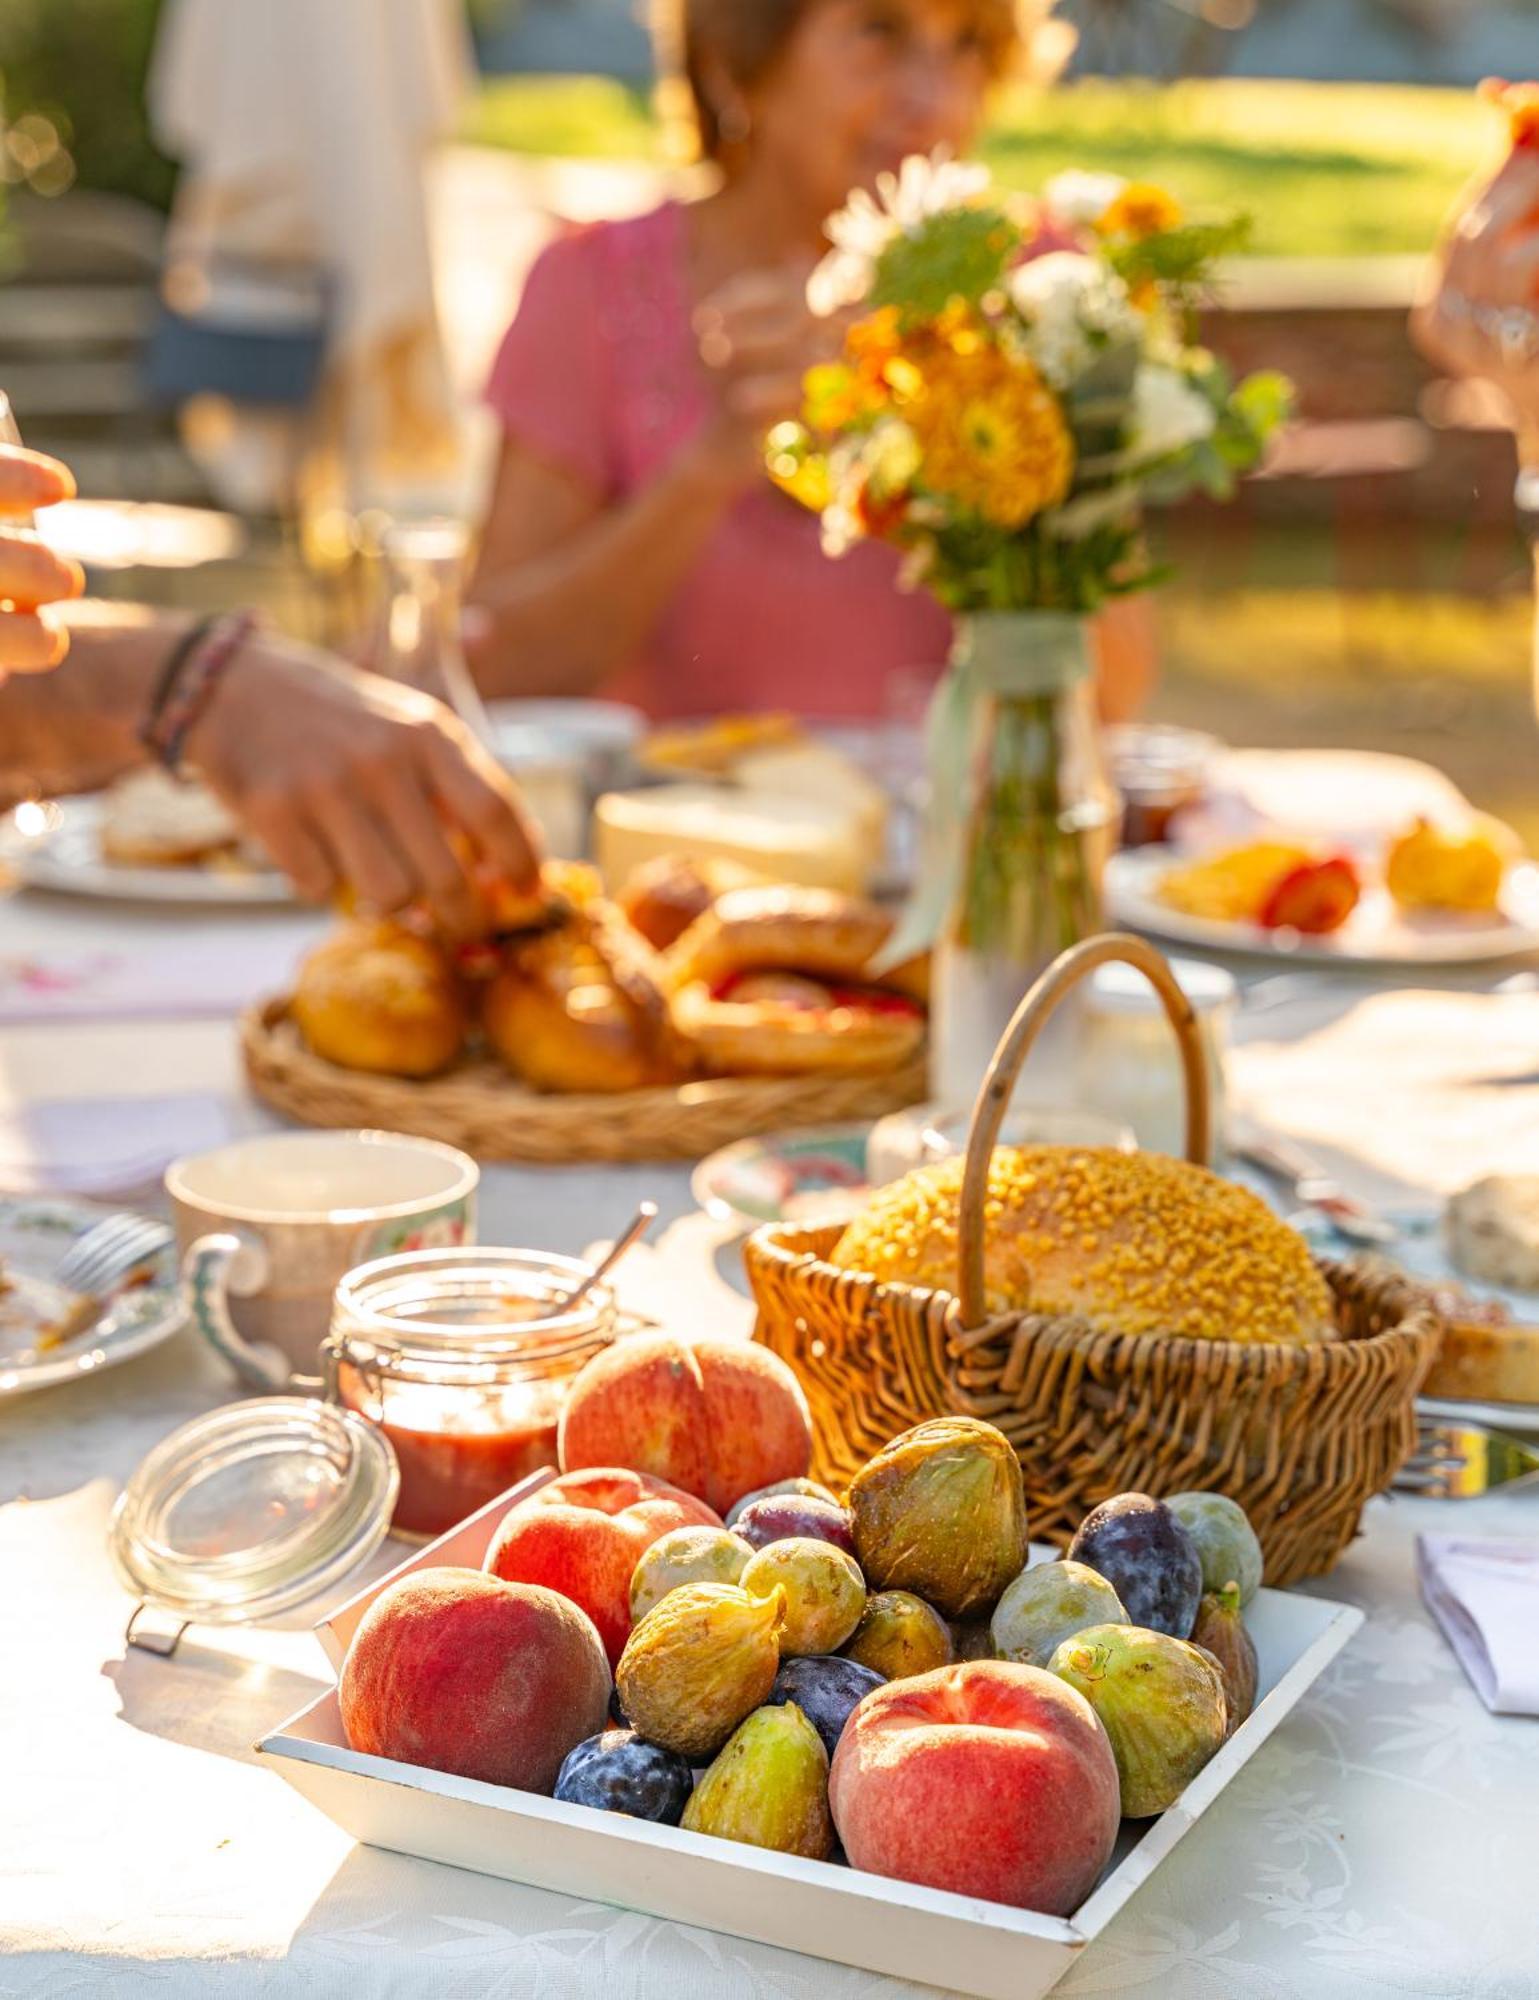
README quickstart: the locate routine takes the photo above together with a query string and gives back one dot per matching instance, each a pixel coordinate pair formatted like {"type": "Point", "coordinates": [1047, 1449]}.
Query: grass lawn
{"type": "Point", "coordinates": [1323, 169]}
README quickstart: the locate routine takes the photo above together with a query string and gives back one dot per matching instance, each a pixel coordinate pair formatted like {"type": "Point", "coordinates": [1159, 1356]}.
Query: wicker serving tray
{"type": "Point", "coordinates": [478, 1107]}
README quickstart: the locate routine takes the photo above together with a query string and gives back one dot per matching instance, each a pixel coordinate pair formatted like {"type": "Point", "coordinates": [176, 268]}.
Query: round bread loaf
{"type": "Point", "coordinates": [1134, 1243]}
{"type": "Point", "coordinates": [377, 997]}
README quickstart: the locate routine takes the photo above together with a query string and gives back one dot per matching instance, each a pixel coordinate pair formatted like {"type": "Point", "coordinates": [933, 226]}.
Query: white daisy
{"type": "Point", "coordinates": [1081, 197]}
{"type": "Point", "coordinates": [1168, 414]}
{"type": "Point", "coordinates": [1073, 306]}
{"type": "Point", "coordinates": [924, 186]}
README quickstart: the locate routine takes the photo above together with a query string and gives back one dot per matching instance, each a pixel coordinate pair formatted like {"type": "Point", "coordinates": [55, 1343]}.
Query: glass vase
{"type": "Point", "coordinates": [1034, 826]}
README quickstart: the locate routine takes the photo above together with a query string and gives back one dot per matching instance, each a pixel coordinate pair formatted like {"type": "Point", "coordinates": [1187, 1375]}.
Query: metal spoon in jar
{"type": "Point", "coordinates": [645, 1216]}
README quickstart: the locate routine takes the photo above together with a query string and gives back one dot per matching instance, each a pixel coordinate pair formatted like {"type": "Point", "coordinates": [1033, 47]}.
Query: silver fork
{"type": "Point", "coordinates": [118, 1244]}
{"type": "Point", "coordinates": [1461, 1461]}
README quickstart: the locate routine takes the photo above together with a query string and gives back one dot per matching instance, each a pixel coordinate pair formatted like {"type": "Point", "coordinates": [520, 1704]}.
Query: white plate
{"type": "Point", "coordinates": [1521, 1417]}
{"type": "Point", "coordinates": [35, 1233]}
{"type": "Point", "coordinates": [1378, 932]}
{"type": "Point", "coordinates": [837, 1913]}
{"type": "Point", "coordinates": [803, 1177]}
{"type": "Point", "coordinates": [65, 856]}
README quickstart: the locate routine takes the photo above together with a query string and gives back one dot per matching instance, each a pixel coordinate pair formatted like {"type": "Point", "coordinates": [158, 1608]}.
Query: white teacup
{"type": "Point", "coordinates": [269, 1227]}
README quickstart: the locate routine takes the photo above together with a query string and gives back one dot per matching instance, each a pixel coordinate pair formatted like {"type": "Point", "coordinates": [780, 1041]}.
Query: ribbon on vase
{"type": "Point", "coordinates": [998, 655]}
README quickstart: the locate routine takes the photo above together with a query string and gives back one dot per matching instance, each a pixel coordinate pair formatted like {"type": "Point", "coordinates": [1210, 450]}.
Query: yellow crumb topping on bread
{"type": "Point", "coordinates": [1136, 1243]}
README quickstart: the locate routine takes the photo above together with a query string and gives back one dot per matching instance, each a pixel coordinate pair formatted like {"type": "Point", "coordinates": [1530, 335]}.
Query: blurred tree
{"type": "Point", "coordinates": [78, 67]}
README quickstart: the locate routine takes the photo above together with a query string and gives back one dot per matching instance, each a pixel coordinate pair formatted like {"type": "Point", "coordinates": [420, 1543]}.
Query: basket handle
{"type": "Point", "coordinates": [1065, 973]}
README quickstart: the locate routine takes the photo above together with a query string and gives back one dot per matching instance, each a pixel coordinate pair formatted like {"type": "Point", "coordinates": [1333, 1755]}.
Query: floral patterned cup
{"type": "Point", "coordinates": [269, 1227]}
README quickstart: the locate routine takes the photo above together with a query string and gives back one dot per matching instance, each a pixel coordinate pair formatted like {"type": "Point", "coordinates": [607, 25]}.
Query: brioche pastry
{"type": "Point", "coordinates": [581, 1009]}
{"type": "Point", "coordinates": [789, 1024]}
{"type": "Point", "coordinates": [560, 888]}
{"type": "Point", "coordinates": [151, 819]}
{"type": "Point", "coordinates": [664, 897]}
{"type": "Point", "coordinates": [376, 996]}
{"type": "Point", "coordinates": [1134, 1243]}
{"type": "Point", "coordinates": [773, 928]}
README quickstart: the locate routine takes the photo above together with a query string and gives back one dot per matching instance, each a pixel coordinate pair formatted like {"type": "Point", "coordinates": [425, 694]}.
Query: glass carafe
{"type": "Point", "coordinates": [425, 574]}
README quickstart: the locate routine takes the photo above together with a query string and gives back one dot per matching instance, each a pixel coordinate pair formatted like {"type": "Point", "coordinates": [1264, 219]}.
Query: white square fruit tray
{"type": "Point", "coordinates": [834, 1912]}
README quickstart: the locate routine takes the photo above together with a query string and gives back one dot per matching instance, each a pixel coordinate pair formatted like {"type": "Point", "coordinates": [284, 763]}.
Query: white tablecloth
{"type": "Point", "coordinates": [1382, 1843]}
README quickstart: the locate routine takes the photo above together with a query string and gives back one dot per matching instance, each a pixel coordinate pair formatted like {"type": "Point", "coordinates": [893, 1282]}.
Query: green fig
{"type": "Point", "coordinates": [1048, 1604]}
{"type": "Point", "coordinates": [686, 1555]}
{"type": "Point", "coordinates": [768, 1788]}
{"type": "Point", "coordinates": [1220, 1631]}
{"type": "Point", "coordinates": [899, 1635]}
{"type": "Point", "coordinates": [1226, 1542]}
{"type": "Point", "coordinates": [1161, 1702]}
{"type": "Point", "coordinates": [941, 1512]}
{"type": "Point", "coordinates": [697, 1664]}
{"type": "Point", "coordinates": [824, 1590]}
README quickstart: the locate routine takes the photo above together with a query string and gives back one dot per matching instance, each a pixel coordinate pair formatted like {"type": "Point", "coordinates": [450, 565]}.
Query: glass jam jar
{"type": "Point", "coordinates": [464, 1359]}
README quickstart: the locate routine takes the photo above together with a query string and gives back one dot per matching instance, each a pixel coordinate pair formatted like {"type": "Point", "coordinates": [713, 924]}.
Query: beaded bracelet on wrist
{"type": "Point", "coordinates": [189, 681]}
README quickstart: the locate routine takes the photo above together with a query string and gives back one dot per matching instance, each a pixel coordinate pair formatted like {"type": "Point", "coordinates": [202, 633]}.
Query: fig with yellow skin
{"type": "Point", "coordinates": [698, 1664]}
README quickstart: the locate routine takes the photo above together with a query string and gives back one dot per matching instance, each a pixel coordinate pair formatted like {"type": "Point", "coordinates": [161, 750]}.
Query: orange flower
{"type": "Point", "coordinates": [1520, 101]}
{"type": "Point", "coordinates": [991, 434]}
{"type": "Point", "coordinates": [1140, 210]}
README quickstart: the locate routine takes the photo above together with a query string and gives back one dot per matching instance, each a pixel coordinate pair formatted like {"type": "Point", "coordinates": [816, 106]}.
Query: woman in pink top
{"type": "Point", "coordinates": [634, 546]}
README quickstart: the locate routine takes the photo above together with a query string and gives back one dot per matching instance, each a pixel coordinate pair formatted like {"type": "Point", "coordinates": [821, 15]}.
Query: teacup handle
{"type": "Point", "coordinates": [214, 1267]}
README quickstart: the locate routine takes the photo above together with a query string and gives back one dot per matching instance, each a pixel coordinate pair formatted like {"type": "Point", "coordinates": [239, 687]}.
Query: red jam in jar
{"type": "Point", "coordinates": [464, 1359]}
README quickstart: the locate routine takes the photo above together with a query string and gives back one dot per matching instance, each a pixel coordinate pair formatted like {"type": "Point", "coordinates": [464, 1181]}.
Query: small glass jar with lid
{"type": "Point", "coordinates": [463, 1359]}
{"type": "Point", "coordinates": [1128, 1065]}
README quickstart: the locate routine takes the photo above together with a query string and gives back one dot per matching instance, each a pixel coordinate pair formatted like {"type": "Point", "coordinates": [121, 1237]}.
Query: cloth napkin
{"type": "Point", "coordinates": [206, 978]}
{"type": "Point", "coordinates": [1485, 1596]}
{"type": "Point", "coordinates": [104, 1145]}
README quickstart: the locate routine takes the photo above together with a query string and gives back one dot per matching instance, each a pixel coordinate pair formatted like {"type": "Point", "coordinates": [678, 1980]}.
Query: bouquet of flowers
{"type": "Point", "coordinates": [1020, 385]}
{"type": "Point", "coordinates": [1017, 387]}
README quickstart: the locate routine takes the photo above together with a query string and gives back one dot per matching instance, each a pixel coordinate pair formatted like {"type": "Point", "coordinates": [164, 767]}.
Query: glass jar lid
{"type": "Point", "coordinates": [254, 1509]}
{"type": "Point", "coordinates": [508, 1308]}
{"type": "Point", "coordinates": [1123, 989]}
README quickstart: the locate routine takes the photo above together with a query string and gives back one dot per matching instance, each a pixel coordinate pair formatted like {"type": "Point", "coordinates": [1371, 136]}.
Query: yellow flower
{"type": "Point", "coordinates": [992, 434]}
{"type": "Point", "coordinates": [1141, 210]}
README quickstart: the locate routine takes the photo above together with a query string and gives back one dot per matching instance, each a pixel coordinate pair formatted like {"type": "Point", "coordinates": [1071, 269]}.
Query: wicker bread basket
{"type": "Point", "coordinates": [480, 1108]}
{"type": "Point", "coordinates": [1301, 1436]}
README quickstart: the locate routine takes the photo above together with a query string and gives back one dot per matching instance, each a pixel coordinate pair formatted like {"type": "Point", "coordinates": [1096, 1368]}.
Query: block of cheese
{"type": "Point", "coordinates": [817, 771]}
{"type": "Point", "coordinates": [818, 844]}
{"type": "Point", "coordinates": [1486, 1364]}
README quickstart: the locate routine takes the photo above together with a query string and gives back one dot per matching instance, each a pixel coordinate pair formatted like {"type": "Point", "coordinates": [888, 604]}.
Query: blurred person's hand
{"type": "Point", "coordinates": [32, 577]}
{"type": "Point", "coordinates": [351, 782]}
{"type": "Point", "coordinates": [758, 337]}
{"type": "Point", "coordinates": [1480, 314]}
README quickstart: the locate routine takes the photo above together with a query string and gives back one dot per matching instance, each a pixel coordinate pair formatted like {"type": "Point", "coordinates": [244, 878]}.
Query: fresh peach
{"type": "Point", "coordinates": [457, 1671]}
{"type": "Point", "coordinates": [584, 1534]}
{"type": "Point", "coordinates": [717, 1417]}
{"type": "Point", "coordinates": [981, 1779]}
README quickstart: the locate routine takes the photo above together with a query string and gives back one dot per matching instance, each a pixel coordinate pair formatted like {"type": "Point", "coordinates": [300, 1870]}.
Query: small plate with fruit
{"type": "Point", "coordinates": [878, 1726]}
{"type": "Point", "coordinates": [1433, 894]}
